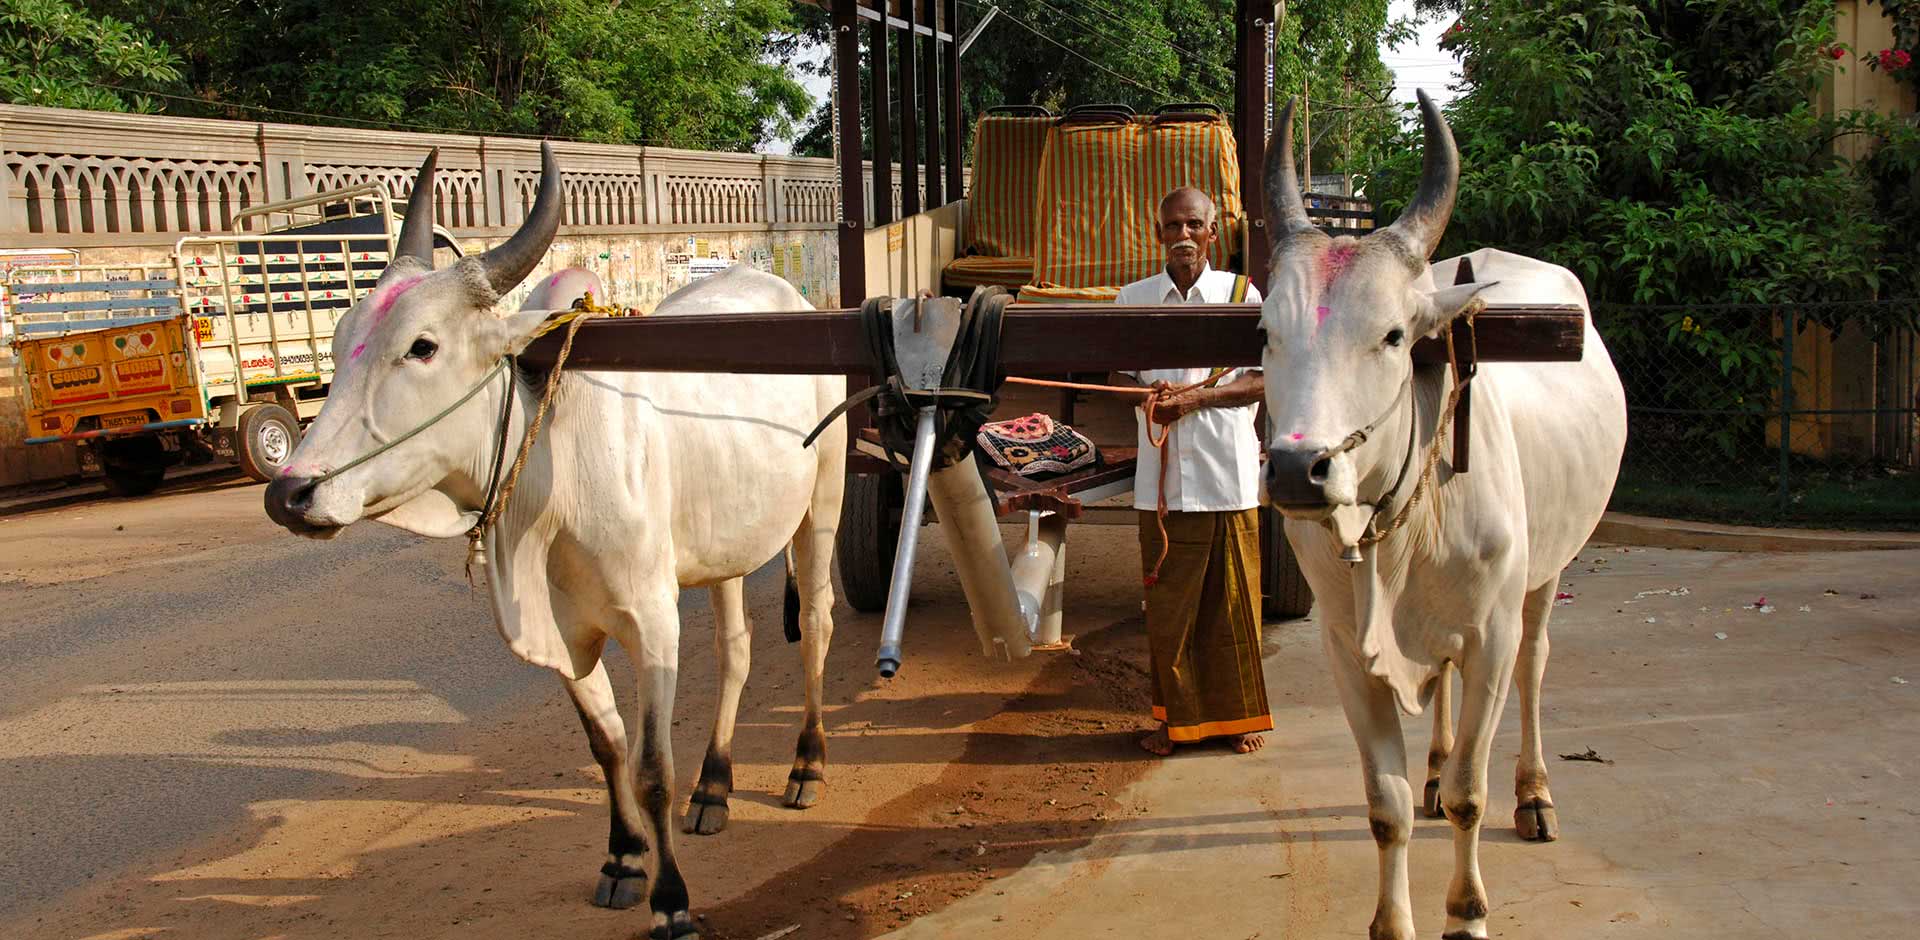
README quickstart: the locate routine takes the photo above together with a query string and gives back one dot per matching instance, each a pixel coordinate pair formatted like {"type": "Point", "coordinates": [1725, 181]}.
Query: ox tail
{"type": "Point", "coordinates": [790, 605]}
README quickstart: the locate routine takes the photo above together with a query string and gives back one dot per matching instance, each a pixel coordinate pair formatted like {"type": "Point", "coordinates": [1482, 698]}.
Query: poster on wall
{"type": "Point", "coordinates": [701, 268]}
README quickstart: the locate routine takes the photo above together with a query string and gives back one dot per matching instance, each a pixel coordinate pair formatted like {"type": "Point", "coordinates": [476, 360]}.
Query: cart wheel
{"type": "Point", "coordinates": [266, 439]}
{"type": "Point", "coordinates": [869, 531]}
{"type": "Point", "coordinates": [1286, 595]}
{"type": "Point", "coordinates": [133, 466]}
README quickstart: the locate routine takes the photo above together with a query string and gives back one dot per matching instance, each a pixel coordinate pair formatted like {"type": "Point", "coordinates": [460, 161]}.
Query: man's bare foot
{"type": "Point", "coordinates": [1246, 743]}
{"type": "Point", "coordinates": [1158, 743]}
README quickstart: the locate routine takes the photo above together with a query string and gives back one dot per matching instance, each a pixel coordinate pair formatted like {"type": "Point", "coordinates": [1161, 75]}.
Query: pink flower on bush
{"type": "Point", "coordinates": [1893, 60]}
{"type": "Point", "coordinates": [1837, 51]}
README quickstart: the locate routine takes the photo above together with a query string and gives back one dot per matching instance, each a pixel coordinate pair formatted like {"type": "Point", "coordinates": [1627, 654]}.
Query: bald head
{"type": "Point", "coordinates": [1189, 201]}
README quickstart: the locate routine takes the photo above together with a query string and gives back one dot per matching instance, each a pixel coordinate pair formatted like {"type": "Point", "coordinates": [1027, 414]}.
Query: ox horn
{"type": "Point", "coordinates": [1286, 214]}
{"type": "Point", "coordinates": [1424, 220]}
{"type": "Point", "coordinates": [510, 262]}
{"type": "Point", "coordinates": [416, 232]}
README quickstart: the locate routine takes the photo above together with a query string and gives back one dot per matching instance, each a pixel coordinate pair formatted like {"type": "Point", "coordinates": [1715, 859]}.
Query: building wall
{"type": "Point", "coordinates": [124, 188]}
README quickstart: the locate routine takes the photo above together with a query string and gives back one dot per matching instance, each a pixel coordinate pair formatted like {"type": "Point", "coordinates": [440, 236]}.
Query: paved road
{"type": "Point", "coordinates": [149, 653]}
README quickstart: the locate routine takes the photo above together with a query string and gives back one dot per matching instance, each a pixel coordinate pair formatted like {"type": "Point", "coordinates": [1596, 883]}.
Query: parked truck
{"type": "Point", "coordinates": [222, 355]}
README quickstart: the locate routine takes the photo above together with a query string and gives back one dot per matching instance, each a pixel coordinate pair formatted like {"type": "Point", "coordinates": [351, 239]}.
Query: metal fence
{"type": "Point", "coordinates": [1796, 414]}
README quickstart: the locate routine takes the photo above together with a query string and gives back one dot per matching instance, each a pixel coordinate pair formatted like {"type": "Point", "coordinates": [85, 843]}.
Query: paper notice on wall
{"type": "Point", "coordinates": [702, 248]}
{"type": "Point", "coordinates": [700, 268]}
{"type": "Point", "coordinates": [780, 261]}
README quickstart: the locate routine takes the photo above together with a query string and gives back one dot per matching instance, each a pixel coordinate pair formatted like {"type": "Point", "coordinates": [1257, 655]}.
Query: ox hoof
{"type": "Point", "coordinates": [803, 789]}
{"type": "Point", "coordinates": [1430, 803]}
{"type": "Point", "coordinates": [620, 892]}
{"type": "Point", "coordinates": [1536, 821]}
{"type": "Point", "coordinates": [1463, 935]}
{"type": "Point", "coordinates": [675, 926]}
{"type": "Point", "coordinates": [705, 819]}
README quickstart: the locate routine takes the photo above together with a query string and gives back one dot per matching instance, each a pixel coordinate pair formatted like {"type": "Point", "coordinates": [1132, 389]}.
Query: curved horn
{"type": "Point", "coordinates": [510, 261]}
{"type": "Point", "coordinates": [1424, 219]}
{"type": "Point", "coordinates": [1286, 214]}
{"type": "Point", "coordinates": [416, 232]}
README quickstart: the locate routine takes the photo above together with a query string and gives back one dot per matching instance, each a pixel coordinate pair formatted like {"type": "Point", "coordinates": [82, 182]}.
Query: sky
{"type": "Point", "coordinates": [1416, 65]}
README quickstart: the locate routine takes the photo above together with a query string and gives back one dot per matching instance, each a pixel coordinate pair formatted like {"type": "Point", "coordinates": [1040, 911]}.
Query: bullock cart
{"type": "Point", "coordinates": [1029, 246]}
{"type": "Point", "coordinates": [937, 344]}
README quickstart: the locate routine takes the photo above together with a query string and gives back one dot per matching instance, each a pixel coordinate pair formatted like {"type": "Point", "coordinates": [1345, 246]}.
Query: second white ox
{"type": "Point", "coordinates": [640, 485]}
{"type": "Point", "coordinates": [1469, 579]}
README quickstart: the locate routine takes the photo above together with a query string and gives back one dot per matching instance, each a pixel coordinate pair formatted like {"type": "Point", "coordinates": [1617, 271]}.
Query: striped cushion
{"type": "Point", "coordinates": [1036, 294]}
{"type": "Point", "coordinates": [1006, 174]}
{"type": "Point", "coordinates": [981, 270]}
{"type": "Point", "coordinates": [1100, 189]}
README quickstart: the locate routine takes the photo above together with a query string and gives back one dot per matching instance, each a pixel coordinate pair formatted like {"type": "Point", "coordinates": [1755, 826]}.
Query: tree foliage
{"type": "Point", "coordinates": [58, 55]}
{"type": "Point", "coordinates": [1672, 153]}
{"type": "Point", "coordinates": [692, 73]}
{"type": "Point", "coordinates": [1147, 53]}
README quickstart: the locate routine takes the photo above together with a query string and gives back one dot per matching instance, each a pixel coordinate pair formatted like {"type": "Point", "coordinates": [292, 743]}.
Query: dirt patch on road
{"type": "Point", "coordinates": [1042, 776]}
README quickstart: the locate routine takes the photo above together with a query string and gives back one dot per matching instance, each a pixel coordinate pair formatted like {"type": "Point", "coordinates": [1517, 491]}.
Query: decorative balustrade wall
{"type": "Point", "coordinates": [82, 179]}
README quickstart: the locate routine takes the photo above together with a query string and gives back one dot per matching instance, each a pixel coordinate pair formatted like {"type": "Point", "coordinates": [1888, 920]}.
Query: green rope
{"type": "Point", "coordinates": [430, 422]}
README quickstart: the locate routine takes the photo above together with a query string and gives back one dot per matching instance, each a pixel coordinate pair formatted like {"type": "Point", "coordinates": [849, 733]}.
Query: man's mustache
{"type": "Point", "coordinates": [1185, 243]}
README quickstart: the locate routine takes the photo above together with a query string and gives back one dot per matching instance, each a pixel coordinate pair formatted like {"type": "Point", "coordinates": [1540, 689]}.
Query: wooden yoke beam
{"type": "Point", "coordinates": [1035, 339]}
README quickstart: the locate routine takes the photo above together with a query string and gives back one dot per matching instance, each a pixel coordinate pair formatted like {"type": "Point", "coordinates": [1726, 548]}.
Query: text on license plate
{"type": "Point", "coordinates": [124, 420]}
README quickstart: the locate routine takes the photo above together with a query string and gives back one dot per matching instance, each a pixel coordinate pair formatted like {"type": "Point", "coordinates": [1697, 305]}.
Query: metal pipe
{"type": "Point", "coordinates": [974, 33]}
{"type": "Point", "coordinates": [1039, 576]}
{"type": "Point", "coordinates": [898, 589]}
{"type": "Point", "coordinates": [972, 530]}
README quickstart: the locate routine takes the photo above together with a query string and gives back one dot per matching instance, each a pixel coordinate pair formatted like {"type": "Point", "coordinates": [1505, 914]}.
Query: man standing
{"type": "Point", "coordinates": [1203, 579]}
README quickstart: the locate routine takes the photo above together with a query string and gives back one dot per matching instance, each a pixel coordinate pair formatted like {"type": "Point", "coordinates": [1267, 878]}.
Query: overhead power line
{"type": "Point", "coordinates": [1161, 92]}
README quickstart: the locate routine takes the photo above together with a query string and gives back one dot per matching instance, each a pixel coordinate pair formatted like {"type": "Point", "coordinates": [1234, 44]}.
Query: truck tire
{"type": "Point", "coordinates": [265, 440]}
{"type": "Point", "coordinates": [869, 531]}
{"type": "Point", "coordinates": [1284, 590]}
{"type": "Point", "coordinates": [133, 466]}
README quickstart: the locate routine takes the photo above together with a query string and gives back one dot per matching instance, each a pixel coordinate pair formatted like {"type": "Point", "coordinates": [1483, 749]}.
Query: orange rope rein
{"type": "Point", "coordinates": [1152, 397]}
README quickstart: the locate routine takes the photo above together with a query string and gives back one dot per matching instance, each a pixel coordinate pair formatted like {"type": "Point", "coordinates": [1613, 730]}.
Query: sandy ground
{"type": "Point", "coordinates": [212, 730]}
{"type": "Point", "coordinates": [1759, 780]}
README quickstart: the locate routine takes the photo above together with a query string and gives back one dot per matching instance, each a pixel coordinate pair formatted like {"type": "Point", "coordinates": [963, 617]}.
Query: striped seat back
{"type": "Point", "coordinates": [1005, 185]}
{"type": "Point", "coordinates": [1100, 191]}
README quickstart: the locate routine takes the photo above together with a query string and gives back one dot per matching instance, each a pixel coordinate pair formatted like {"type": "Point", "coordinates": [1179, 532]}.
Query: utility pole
{"type": "Point", "coordinates": [1346, 125]}
{"type": "Point", "coordinates": [1306, 123]}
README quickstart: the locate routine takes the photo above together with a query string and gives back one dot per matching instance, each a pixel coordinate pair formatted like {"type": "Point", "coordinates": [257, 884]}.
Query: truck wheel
{"type": "Point", "coordinates": [133, 466]}
{"type": "Point", "coordinates": [869, 530]}
{"type": "Point", "coordinates": [1284, 590]}
{"type": "Point", "coordinates": [265, 440]}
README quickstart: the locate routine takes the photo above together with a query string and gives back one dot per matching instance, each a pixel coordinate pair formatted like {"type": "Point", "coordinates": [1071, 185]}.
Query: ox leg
{"type": "Point", "coordinates": [1442, 743]}
{"type": "Point", "coordinates": [1375, 721]}
{"type": "Point", "coordinates": [733, 646]}
{"type": "Point", "coordinates": [623, 879]}
{"type": "Point", "coordinates": [1463, 782]}
{"type": "Point", "coordinates": [658, 666]}
{"type": "Point", "coordinates": [1533, 814]}
{"type": "Point", "coordinates": [813, 565]}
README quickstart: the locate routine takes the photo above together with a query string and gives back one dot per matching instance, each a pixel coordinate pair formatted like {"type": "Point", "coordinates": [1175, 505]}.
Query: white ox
{"type": "Point", "coordinates": [640, 485]}
{"type": "Point", "coordinates": [1469, 581]}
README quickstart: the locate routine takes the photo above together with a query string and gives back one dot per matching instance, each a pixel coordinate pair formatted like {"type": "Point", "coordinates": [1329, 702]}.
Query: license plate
{"type": "Point", "coordinates": [125, 420]}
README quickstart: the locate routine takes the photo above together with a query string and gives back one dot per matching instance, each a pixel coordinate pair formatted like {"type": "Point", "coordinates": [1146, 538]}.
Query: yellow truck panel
{"type": "Point", "coordinates": [117, 380]}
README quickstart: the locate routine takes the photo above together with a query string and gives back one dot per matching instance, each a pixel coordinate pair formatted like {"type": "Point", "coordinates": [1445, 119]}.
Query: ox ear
{"type": "Point", "coordinates": [432, 514]}
{"type": "Point", "coordinates": [1443, 306]}
{"type": "Point", "coordinates": [516, 330]}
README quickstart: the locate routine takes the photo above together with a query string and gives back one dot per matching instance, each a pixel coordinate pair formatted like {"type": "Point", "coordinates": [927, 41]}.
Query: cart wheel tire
{"type": "Point", "coordinates": [1284, 590]}
{"type": "Point", "coordinates": [133, 467]}
{"type": "Point", "coordinates": [265, 441]}
{"type": "Point", "coordinates": [869, 531]}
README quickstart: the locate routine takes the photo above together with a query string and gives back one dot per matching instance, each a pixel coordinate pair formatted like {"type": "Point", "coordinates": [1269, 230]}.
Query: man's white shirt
{"type": "Point", "coordinates": [1214, 452]}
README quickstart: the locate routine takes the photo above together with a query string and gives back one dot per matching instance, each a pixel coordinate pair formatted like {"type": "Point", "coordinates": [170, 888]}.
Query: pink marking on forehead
{"type": "Point", "coordinates": [1298, 436]}
{"type": "Point", "coordinates": [384, 297]}
{"type": "Point", "coordinates": [357, 350]}
{"type": "Point", "coordinates": [1333, 262]}
{"type": "Point", "coordinates": [1320, 315]}
{"type": "Point", "coordinates": [556, 278]}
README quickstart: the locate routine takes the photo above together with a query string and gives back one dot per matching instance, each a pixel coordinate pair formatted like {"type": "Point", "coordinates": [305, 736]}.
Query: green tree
{"type": "Point", "coordinates": [692, 73]}
{"type": "Point", "coordinates": [55, 54]}
{"type": "Point", "coordinates": [1670, 153]}
{"type": "Point", "coordinates": [1147, 53]}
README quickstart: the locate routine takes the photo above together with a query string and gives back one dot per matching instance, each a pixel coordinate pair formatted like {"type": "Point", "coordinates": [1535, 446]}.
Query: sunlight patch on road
{"type": "Point", "coordinates": [350, 727]}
